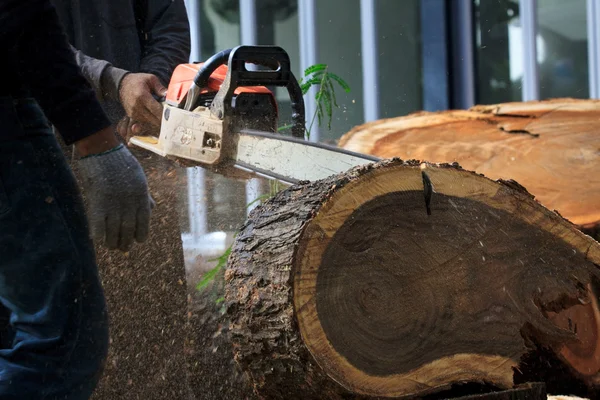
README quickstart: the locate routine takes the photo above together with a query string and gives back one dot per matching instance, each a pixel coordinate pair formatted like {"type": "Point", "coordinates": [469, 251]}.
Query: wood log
{"type": "Point", "coordinates": [551, 147]}
{"type": "Point", "coordinates": [532, 391]}
{"type": "Point", "coordinates": [402, 279]}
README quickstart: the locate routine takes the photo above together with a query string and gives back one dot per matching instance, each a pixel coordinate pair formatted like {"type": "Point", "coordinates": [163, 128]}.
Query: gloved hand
{"type": "Point", "coordinates": [119, 202]}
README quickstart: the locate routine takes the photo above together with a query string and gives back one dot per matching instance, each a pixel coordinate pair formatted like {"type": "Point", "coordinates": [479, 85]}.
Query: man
{"type": "Point", "coordinates": [48, 274]}
{"type": "Point", "coordinates": [128, 49]}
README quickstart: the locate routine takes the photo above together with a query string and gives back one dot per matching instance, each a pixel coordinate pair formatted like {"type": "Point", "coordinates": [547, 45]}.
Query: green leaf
{"type": "Point", "coordinates": [210, 275]}
{"type": "Point", "coordinates": [220, 300]}
{"type": "Point", "coordinates": [332, 90]}
{"type": "Point", "coordinates": [340, 81]}
{"type": "Point", "coordinates": [311, 82]}
{"type": "Point", "coordinates": [259, 198]}
{"type": "Point", "coordinates": [285, 127]}
{"type": "Point", "coordinates": [304, 88]}
{"type": "Point", "coordinates": [315, 68]}
{"type": "Point", "coordinates": [328, 109]}
{"type": "Point", "coordinates": [307, 129]}
{"type": "Point", "coordinates": [319, 110]}
{"type": "Point", "coordinates": [223, 257]}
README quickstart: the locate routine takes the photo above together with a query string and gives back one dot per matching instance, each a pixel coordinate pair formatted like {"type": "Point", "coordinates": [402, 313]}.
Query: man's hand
{"type": "Point", "coordinates": [136, 92]}
{"type": "Point", "coordinates": [127, 128]}
{"type": "Point", "coordinates": [116, 189]}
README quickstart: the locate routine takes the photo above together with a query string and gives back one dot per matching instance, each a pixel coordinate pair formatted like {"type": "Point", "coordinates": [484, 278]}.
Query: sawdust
{"type": "Point", "coordinates": [213, 372]}
{"type": "Point", "coordinates": [146, 296]}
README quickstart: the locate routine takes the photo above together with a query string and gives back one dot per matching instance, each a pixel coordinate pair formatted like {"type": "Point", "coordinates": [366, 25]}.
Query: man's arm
{"type": "Point", "coordinates": [136, 98]}
{"type": "Point", "coordinates": [104, 77]}
{"type": "Point", "coordinates": [166, 44]}
{"type": "Point", "coordinates": [31, 33]}
{"type": "Point", "coordinates": [168, 38]}
{"type": "Point", "coordinates": [41, 59]}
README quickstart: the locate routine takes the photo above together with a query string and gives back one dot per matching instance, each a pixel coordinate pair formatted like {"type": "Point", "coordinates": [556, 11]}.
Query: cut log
{"type": "Point", "coordinates": [550, 147]}
{"type": "Point", "coordinates": [533, 391]}
{"type": "Point", "coordinates": [401, 279]}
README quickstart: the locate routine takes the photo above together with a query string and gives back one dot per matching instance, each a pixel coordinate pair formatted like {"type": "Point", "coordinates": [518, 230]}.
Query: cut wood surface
{"type": "Point", "coordinates": [531, 391]}
{"type": "Point", "coordinates": [550, 147]}
{"type": "Point", "coordinates": [402, 279]}
{"type": "Point", "coordinates": [565, 398]}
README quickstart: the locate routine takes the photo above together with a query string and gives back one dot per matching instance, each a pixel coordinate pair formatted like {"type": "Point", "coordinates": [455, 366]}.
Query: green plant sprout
{"type": "Point", "coordinates": [210, 275]}
{"type": "Point", "coordinates": [319, 75]}
{"type": "Point", "coordinates": [315, 75]}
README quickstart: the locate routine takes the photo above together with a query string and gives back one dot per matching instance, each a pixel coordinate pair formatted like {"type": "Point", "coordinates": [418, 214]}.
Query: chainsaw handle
{"type": "Point", "coordinates": [210, 66]}
{"type": "Point", "coordinates": [279, 74]}
{"type": "Point", "coordinates": [201, 78]}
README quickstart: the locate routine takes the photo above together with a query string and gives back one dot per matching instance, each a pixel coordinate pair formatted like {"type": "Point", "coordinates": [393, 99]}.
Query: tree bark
{"type": "Point", "coordinates": [551, 147]}
{"type": "Point", "coordinates": [402, 279]}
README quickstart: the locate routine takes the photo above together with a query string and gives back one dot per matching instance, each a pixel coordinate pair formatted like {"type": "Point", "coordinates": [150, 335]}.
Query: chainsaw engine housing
{"type": "Point", "coordinates": [254, 107]}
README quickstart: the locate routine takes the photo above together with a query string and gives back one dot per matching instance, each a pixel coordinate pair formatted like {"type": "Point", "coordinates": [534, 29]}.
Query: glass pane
{"type": "Point", "coordinates": [399, 72]}
{"type": "Point", "coordinates": [339, 46]}
{"type": "Point", "coordinates": [562, 49]}
{"type": "Point", "coordinates": [223, 29]}
{"type": "Point", "coordinates": [285, 31]}
{"type": "Point", "coordinates": [498, 51]}
{"type": "Point", "coordinates": [400, 67]}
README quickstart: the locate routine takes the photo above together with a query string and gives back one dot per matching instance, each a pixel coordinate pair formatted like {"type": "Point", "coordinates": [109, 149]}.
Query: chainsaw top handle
{"type": "Point", "coordinates": [278, 74]}
{"type": "Point", "coordinates": [210, 66]}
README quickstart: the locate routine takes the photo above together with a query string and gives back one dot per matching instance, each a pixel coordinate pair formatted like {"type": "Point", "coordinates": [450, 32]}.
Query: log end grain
{"type": "Point", "coordinates": [401, 279]}
{"type": "Point", "coordinates": [551, 147]}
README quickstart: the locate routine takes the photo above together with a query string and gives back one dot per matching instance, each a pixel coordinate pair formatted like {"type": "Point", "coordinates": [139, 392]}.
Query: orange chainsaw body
{"type": "Point", "coordinates": [184, 74]}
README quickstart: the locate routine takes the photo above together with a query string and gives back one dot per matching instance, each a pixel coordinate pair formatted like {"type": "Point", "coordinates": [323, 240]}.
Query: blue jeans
{"type": "Point", "coordinates": [56, 339]}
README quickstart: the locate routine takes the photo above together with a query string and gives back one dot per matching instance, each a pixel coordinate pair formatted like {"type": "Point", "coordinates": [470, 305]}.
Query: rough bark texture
{"type": "Point", "coordinates": [550, 147]}
{"type": "Point", "coordinates": [496, 285]}
{"type": "Point", "coordinates": [146, 295]}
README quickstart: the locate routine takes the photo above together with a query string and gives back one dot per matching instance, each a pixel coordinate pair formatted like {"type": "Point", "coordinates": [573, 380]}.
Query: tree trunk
{"type": "Point", "coordinates": [550, 147]}
{"type": "Point", "coordinates": [403, 279]}
{"type": "Point", "coordinates": [535, 391]}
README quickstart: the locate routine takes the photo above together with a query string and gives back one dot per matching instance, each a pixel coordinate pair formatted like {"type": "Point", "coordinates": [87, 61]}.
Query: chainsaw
{"type": "Point", "coordinates": [223, 116]}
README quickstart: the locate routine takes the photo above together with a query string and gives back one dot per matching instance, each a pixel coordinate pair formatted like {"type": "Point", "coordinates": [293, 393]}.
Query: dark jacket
{"type": "Point", "coordinates": [113, 37]}
{"type": "Point", "coordinates": [37, 62]}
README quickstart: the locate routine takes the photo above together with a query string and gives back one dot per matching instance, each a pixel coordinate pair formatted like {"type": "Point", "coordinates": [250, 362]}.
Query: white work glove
{"type": "Point", "coordinates": [119, 204]}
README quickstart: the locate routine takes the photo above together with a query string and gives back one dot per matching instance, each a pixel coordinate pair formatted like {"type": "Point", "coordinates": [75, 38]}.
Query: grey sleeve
{"type": "Point", "coordinates": [168, 38]}
{"type": "Point", "coordinates": [102, 75]}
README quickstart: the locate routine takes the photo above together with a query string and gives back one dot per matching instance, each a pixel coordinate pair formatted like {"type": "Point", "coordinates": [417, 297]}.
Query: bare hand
{"type": "Point", "coordinates": [136, 97]}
